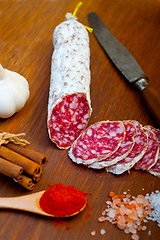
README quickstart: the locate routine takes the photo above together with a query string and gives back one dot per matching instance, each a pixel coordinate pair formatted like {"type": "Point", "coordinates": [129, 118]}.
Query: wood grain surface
{"type": "Point", "coordinates": [26, 28]}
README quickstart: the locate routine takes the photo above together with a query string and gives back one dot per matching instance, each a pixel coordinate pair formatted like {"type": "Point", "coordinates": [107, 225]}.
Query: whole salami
{"type": "Point", "coordinates": [69, 105]}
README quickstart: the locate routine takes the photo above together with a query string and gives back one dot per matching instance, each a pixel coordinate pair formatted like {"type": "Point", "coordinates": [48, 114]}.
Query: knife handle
{"type": "Point", "coordinates": [151, 97]}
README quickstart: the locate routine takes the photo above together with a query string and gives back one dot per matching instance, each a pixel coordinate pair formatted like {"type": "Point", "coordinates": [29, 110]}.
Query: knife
{"type": "Point", "coordinates": [126, 64]}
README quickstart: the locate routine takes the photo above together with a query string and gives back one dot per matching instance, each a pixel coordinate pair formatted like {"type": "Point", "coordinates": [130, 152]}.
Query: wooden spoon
{"type": "Point", "coordinates": [29, 203]}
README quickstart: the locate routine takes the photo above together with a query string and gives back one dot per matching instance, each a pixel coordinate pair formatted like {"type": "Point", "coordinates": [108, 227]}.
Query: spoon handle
{"type": "Point", "coordinates": [9, 203]}
{"type": "Point", "coordinates": [29, 203]}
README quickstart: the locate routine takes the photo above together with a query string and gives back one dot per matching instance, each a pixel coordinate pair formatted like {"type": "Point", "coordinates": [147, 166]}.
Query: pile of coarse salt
{"type": "Point", "coordinates": [154, 199]}
{"type": "Point", "coordinates": [131, 214]}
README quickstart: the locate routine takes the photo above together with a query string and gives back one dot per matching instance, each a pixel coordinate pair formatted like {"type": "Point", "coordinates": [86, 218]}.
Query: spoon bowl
{"type": "Point", "coordinates": [29, 203]}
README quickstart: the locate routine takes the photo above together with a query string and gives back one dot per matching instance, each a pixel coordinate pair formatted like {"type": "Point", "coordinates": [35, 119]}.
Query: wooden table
{"type": "Point", "coordinates": [26, 47]}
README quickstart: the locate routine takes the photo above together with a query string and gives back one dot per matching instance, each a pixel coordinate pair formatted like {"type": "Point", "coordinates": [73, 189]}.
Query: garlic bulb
{"type": "Point", "coordinates": [14, 92]}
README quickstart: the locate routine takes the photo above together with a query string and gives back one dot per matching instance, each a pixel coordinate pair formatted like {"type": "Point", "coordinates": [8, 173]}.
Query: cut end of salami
{"type": "Point", "coordinates": [68, 119]}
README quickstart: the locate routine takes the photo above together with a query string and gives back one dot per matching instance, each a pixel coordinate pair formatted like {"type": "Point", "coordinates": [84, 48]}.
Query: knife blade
{"type": "Point", "coordinates": [126, 64]}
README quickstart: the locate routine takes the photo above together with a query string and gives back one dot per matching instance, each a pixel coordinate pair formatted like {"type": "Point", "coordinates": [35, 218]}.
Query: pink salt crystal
{"type": "Point", "coordinates": [133, 216]}
{"type": "Point", "coordinates": [101, 219]}
{"type": "Point", "coordinates": [108, 202]}
{"type": "Point", "coordinates": [126, 230]}
{"type": "Point", "coordinates": [130, 224]}
{"type": "Point", "coordinates": [135, 237]}
{"type": "Point", "coordinates": [122, 219]}
{"type": "Point", "coordinates": [104, 213]}
{"type": "Point", "coordinates": [121, 225]}
{"type": "Point", "coordinates": [135, 226]}
{"type": "Point", "coordinates": [102, 231]}
{"type": "Point", "coordinates": [125, 200]}
{"type": "Point", "coordinates": [111, 213]}
{"type": "Point", "coordinates": [145, 202]}
{"type": "Point", "coordinates": [122, 210]}
{"type": "Point", "coordinates": [132, 202]}
{"type": "Point", "coordinates": [145, 220]}
{"type": "Point", "coordinates": [139, 200]}
{"type": "Point", "coordinates": [140, 212]}
{"type": "Point", "coordinates": [93, 233]}
{"type": "Point", "coordinates": [116, 201]}
{"type": "Point", "coordinates": [128, 195]}
{"type": "Point", "coordinates": [133, 230]}
{"type": "Point", "coordinates": [144, 228]}
{"type": "Point", "coordinates": [140, 196]}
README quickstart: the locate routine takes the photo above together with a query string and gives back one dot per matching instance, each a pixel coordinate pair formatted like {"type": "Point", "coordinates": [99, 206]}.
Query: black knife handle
{"type": "Point", "coordinates": [151, 97]}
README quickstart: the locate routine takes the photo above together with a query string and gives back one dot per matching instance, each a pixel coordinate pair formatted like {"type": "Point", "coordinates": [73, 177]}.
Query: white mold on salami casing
{"type": "Point", "coordinates": [69, 94]}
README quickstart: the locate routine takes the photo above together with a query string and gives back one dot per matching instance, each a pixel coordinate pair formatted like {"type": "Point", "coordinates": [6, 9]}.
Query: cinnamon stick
{"type": "Point", "coordinates": [10, 169]}
{"type": "Point", "coordinates": [38, 175]}
{"type": "Point", "coordinates": [26, 182]}
{"type": "Point", "coordinates": [28, 166]}
{"type": "Point", "coordinates": [28, 153]}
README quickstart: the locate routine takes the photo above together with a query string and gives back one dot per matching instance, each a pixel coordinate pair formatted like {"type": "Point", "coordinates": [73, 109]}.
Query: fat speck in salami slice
{"type": "Point", "coordinates": [151, 155]}
{"type": "Point", "coordinates": [69, 106]}
{"type": "Point", "coordinates": [155, 169]}
{"type": "Point", "coordinates": [123, 150]}
{"type": "Point", "coordinates": [97, 142]}
{"type": "Point", "coordinates": [139, 149]}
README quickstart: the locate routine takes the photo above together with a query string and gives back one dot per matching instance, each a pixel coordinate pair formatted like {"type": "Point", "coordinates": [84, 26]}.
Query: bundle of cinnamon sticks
{"type": "Point", "coordinates": [19, 162]}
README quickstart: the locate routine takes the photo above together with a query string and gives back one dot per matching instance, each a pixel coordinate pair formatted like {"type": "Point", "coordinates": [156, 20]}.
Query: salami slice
{"type": "Point", "coordinates": [97, 142]}
{"type": "Point", "coordinates": [139, 149]}
{"type": "Point", "coordinates": [69, 105]}
{"type": "Point", "coordinates": [155, 169]}
{"type": "Point", "coordinates": [151, 155]}
{"type": "Point", "coordinates": [123, 150]}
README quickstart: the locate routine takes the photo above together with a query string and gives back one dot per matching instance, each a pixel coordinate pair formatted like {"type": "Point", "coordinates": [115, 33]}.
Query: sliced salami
{"type": "Point", "coordinates": [139, 149]}
{"type": "Point", "coordinates": [123, 150]}
{"type": "Point", "coordinates": [69, 105]}
{"type": "Point", "coordinates": [97, 142]}
{"type": "Point", "coordinates": [151, 155]}
{"type": "Point", "coordinates": [155, 169]}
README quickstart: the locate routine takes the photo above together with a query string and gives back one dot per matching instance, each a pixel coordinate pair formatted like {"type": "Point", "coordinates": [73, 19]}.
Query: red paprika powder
{"type": "Point", "coordinates": [62, 201]}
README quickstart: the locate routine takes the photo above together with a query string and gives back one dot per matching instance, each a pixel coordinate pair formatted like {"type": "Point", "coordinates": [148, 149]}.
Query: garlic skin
{"type": "Point", "coordinates": [14, 92]}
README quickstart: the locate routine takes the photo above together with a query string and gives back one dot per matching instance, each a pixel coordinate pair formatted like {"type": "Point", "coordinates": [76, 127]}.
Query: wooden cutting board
{"type": "Point", "coordinates": [26, 47]}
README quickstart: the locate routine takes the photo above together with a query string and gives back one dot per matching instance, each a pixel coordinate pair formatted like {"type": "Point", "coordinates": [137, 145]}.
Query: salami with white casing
{"type": "Point", "coordinates": [97, 142]}
{"type": "Point", "coordinates": [139, 149]}
{"type": "Point", "coordinates": [69, 105]}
